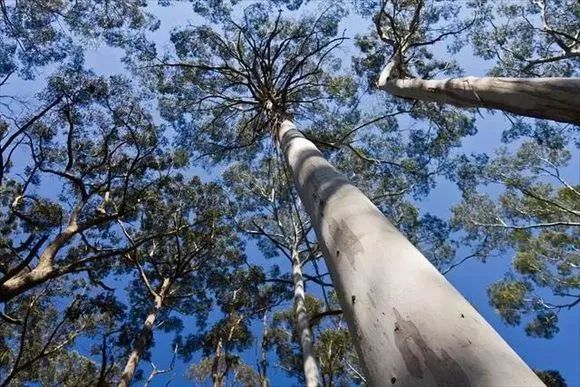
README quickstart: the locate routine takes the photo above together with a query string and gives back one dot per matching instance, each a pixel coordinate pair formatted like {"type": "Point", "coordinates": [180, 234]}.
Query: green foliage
{"type": "Point", "coordinates": [333, 347]}
{"type": "Point", "coordinates": [551, 378]}
{"type": "Point", "coordinates": [37, 33]}
{"type": "Point", "coordinates": [508, 298]}
{"type": "Point", "coordinates": [536, 217]}
{"type": "Point", "coordinates": [529, 39]}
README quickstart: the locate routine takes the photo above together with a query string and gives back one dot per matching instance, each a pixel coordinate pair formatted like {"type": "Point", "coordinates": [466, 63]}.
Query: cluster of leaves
{"type": "Point", "coordinates": [36, 33]}
{"type": "Point", "coordinates": [529, 38]}
{"type": "Point", "coordinates": [333, 348]}
{"type": "Point", "coordinates": [537, 216]}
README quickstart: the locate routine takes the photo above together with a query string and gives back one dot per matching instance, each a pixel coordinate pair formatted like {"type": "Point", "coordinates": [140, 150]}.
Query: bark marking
{"type": "Point", "coordinates": [346, 241]}
{"type": "Point", "coordinates": [445, 370]}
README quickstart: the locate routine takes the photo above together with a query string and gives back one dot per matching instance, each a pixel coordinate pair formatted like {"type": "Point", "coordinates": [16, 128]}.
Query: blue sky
{"type": "Point", "coordinates": [471, 279]}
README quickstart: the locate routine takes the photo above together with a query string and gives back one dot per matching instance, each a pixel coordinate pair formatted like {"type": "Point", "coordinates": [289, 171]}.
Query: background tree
{"type": "Point", "coordinates": [101, 152]}
{"type": "Point", "coordinates": [529, 38]}
{"type": "Point", "coordinates": [269, 210]}
{"type": "Point", "coordinates": [407, 27]}
{"type": "Point", "coordinates": [241, 294]}
{"type": "Point", "coordinates": [38, 346]}
{"type": "Point", "coordinates": [536, 214]}
{"type": "Point", "coordinates": [171, 273]}
{"type": "Point", "coordinates": [332, 348]}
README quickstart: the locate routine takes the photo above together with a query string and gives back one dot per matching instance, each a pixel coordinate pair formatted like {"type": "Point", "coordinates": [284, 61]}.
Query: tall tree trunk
{"type": "Point", "coordinates": [144, 339]}
{"type": "Point", "coordinates": [311, 372]}
{"type": "Point", "coordinates": [409, 325]}
{"type": "Point", "coordinates": [550, 98]}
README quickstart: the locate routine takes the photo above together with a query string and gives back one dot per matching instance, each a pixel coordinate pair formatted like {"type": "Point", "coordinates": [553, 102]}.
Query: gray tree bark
{"type": "Point", "coordinates": [555, 99]}
{"type": "Point", "coordinates": [311, 372]}
{"type": "Point", "coordinates": [409, 325]}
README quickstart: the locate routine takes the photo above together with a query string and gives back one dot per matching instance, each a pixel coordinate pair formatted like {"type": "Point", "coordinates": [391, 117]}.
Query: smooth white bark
{"type": "Point", "coordinates": [311, 372]}
{"type": "Point", "coordinates": [549, 98]}
{"type": "Point", "coordinates": [409, 325]}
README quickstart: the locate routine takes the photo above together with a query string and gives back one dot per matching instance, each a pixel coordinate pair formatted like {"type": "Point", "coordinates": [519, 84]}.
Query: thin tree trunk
{"type": "Point", "coordinates": [550, 98]}
{"type": "Point", "coordinates": [409, 325]}
{"type": "Point", "coordinates": [311, 372]}
{"type": "Point", "coordinates": [216, 374]}
{"type": "Point", "coordinates": [144, 338]}
{"type": "Point", "coordinates": [263, 364]}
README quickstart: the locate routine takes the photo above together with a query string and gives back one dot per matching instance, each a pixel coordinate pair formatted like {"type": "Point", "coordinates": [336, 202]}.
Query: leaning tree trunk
{"type": "Point", "coordinates": [144, 338]}
{"type": "Point", "coordinates": [311, 373]}
{"type": "Point", "coordinates": [409, 325]}
{"type": "Point", "coordinates": [550, 98]}
{"type": "Point", "coordinates": [21, 281]}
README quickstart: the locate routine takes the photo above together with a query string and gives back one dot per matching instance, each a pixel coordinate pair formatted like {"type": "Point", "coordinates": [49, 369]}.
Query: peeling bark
{"type": "Point", "coordinates": [311, 372]}
{"type": "Point", "coordinates": [405, 318]}
{"type": "Point", "coordinates": [555, 99]}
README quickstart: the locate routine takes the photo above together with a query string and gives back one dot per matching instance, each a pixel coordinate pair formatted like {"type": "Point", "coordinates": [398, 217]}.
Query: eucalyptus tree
{"type": "Point", "coordinates": [232, 91]}
{"type": "Point", "coordinates": [538, 38]}
{"type": "Point", "coordinates": [171, 274]}
{"type": "Point", "coordinates": [242, 294]}
{"type": "Point", "coordinates": [38, 345]}
{"type": "Point", "coordinates": [332, 349]}
{"type": "Point", "coordinates": [99, 152]}
{"type": "Point", "coordinates": [268, 209]}
{"type": "Point", "coordinates": [407, 29]}
{"type": "Point", "coordinates": [36, 33]}
{"type": "Point", "coordinates": [537, 217]}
